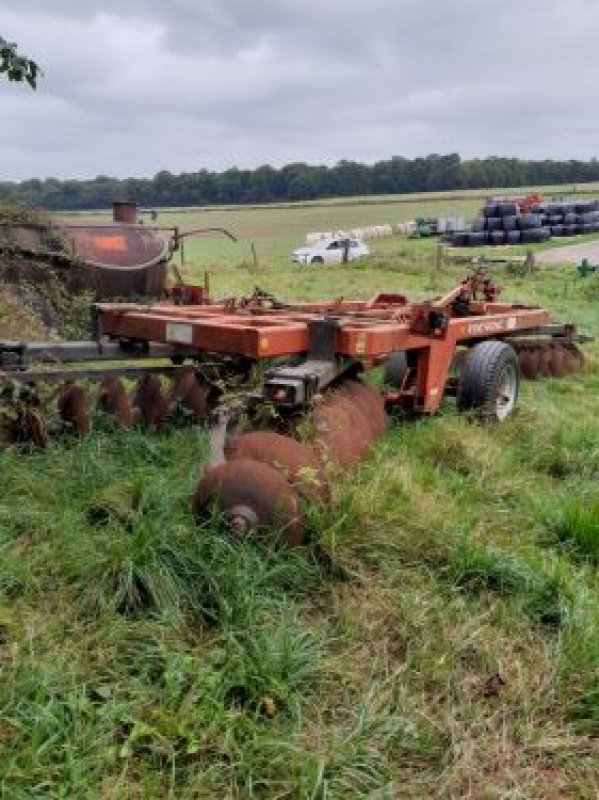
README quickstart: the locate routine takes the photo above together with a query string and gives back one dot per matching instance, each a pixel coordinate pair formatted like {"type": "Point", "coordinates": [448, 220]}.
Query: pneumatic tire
{"type": "Point", "coordinates": [317, 260]}
{"type": "Point", "coordinates": [396, 367]}
{"type": "Point", "coordinates": [478, 238]}
{"type": "Point", "coordinates": [510, 223]}
{"type": "Point", "coordinates": [489, 381]}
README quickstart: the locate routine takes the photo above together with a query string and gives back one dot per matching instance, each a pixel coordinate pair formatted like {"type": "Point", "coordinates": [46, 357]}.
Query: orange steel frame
{"type": "Point", "coordinates": [365, 332]}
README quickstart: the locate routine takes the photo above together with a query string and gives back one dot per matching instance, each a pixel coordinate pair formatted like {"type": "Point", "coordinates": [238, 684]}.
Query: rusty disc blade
{"type": "Point", "coordinates": [113, 400]}
{"type": "Point", "coordinates": [253, 497]}
{"type": "Point", "coordinates": [296, 461]}
{"type": "Point", "coordinates": [544, 359]}
{"type": "Point", "coordinates": [573, 358]}
{"type": "Point", "coordinates": [186, 391]}
{"type": "Point", "coordinates": [72, 406]}
{"type": "Point", "coordinates": [21, 417]}
{"type": "Point", "coordinates": [150, 401]}
{"type": "Point", "coordinates": [557, 363]}
{"type": "Point", "coordinates": [369, 401]}
{"type": "Point", "coordinates": [342, 432]}
{"type": "Point", "coordinates": [32, 427]}
{"type": "Point", "coordinates": [528, 363]}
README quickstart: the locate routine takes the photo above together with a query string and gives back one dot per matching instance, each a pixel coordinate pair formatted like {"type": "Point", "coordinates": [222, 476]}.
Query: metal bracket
{"type": "Point", "coordinates": [296, 385]}
{"type": "Point", "coordinates": [322, 338]}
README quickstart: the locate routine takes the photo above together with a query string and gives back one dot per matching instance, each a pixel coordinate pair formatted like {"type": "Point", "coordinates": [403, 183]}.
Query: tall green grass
{"type": "Point", "coordinates": [436, 638]}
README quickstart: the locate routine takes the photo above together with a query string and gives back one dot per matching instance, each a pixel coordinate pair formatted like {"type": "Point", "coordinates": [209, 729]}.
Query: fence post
{"type": "Point", "coordinates": [440, 256]}
{"type": "Point", "coordinates": [345, 251]}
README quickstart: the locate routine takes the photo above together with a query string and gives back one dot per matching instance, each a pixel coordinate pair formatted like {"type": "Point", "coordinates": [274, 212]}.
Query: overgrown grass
{"type": "Point", "coordinates": [438, 637]}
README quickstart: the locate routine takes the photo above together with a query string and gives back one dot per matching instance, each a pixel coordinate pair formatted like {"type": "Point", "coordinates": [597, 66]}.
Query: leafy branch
{"type": "Point", "coordinates": [16, 67]}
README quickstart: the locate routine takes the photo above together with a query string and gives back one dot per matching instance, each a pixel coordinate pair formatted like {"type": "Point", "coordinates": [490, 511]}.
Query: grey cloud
{"type": "Point", "coordinates": [134, 88]}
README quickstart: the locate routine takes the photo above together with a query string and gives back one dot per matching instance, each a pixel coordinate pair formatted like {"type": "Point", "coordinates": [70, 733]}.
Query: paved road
{"type": "Point", "coordinates": [570, 253]}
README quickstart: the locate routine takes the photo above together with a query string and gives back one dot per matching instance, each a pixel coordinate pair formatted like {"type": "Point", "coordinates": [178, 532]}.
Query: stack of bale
{"type": "Point", "coordinates": [505, 223]}
{"type": "Point", "coordinates": [366, 232]}
{"type": "Point", "coordinates": [570, 219]}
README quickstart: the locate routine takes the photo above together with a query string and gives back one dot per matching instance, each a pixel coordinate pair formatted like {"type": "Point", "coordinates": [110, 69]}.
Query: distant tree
{"type": "Point", "coordinates": [17, 67]}
{"type": "Point", "coordinates": [300, 181]}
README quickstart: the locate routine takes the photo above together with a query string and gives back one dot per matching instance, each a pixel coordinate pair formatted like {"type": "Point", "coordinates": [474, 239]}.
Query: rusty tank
{"type": "Point", "coordinates": [123, 258]}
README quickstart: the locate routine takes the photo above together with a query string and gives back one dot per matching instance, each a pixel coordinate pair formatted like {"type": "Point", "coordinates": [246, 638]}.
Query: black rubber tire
{"type": "Point", "coordinates": [557, 230]}
{"type": "Point", "coordinates": [513, 237]}
{"type": "Point", "coordinates": [569, 230]}
{"type": "Point", "coordinates": [507, 209]}
{"type": "Point", "coordinates": [317, 260]}
{"type": "Point", "coordinates": [510, 223]}
{"type": "Point", "coordinates": [529, 221]}
{"type": "Point", "coordinates": [555, 209]}
{"type": "Point", "coordinates": [570, 218]}
{"type": "Point", "coordinates": [396, 367]}
{"type": "Point", "coordinates": [481, 379]}
{"type": "Point", "coordinates": [535, 235]}
{"type": "Point", "coordinates": [497, 237]}
{"type": "Point", "coordinates": [478, 224]}
{"type": "Point", "coordinates": [478, 238]}
{"type": "Point", "coordinates": [585, 219]}
{"type": "Point", "coordinates": [490, 210]}
{"type": "Point", "coordinates": [494, 223]}
{"type": "Point", "coordinates": [586, 207]}
{"type": "Point", "coordinates": [460, 239]}
{"type": "Point", "coordinates": [555, 219]}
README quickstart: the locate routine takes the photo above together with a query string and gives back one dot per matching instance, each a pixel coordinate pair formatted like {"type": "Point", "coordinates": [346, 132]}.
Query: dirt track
{"type": "Point", "coordinates": [571, 253]}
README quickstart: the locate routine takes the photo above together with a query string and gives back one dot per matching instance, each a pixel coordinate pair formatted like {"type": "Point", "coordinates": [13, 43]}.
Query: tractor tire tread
{"type": "Point", "coordinates": [480, 374]}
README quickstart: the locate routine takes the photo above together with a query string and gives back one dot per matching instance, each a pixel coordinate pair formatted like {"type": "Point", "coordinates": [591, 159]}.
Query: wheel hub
{"type": "Point", "coordinates": [242, 519]}
{"type": "Point", "coordinates": [507, 391]}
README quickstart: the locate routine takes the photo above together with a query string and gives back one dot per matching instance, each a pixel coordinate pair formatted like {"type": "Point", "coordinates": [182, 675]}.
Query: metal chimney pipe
{"type": "Point", "coordinates": [125, 212]}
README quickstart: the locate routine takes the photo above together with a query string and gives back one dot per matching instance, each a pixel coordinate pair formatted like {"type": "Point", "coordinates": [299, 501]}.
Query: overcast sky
{"type": "Point", "coordinates": [132, 87]}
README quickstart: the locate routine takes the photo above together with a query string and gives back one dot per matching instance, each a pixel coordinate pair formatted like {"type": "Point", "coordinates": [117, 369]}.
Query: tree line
{"type": "Point", "coordinates": [299, 181]}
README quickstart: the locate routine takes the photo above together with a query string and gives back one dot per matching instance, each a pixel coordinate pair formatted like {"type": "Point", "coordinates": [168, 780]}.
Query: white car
{"type": "Point", "coordinates": [330, 251]}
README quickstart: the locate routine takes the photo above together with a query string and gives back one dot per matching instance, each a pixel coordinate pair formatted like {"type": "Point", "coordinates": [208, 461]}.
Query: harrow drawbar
{"type": "Point", "coordinates": [152, 366]}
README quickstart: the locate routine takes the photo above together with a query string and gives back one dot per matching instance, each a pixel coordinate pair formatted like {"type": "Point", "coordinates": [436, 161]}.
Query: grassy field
{"type": "Point", "coordinates": [439, 637]}
{"type": "Point", "coordinates": [276, 230]}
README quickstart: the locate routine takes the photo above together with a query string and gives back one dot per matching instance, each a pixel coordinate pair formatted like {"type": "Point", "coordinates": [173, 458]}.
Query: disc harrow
{"type": "Point", "coordinates": [114, 402]}
{"type": "Point", "coordinates": [169, 363]}
{"type": "Point", "coordinates": [298, 462]}
{"type": "Point", "coordinates": [336, 434]}
{"type": "Point", "coordinates": [32, 412]}
{"type": "Point", "coordinates": [252, 496]}
{"type": "Point", "coordinates": [541, 358]}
